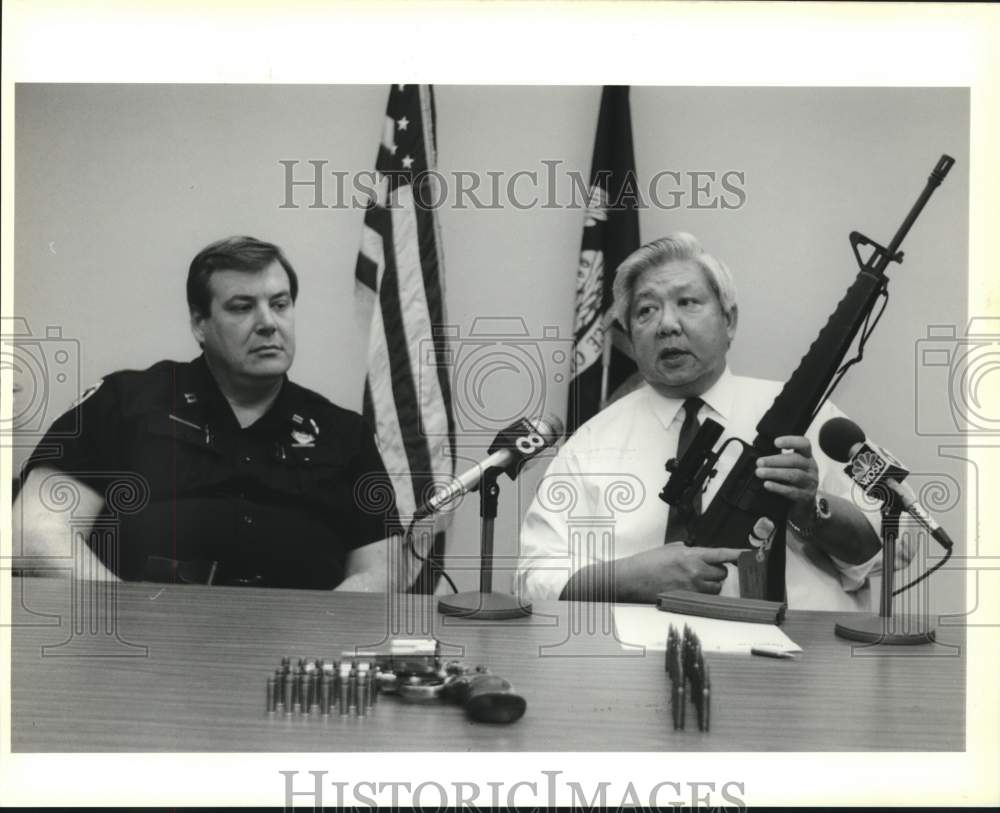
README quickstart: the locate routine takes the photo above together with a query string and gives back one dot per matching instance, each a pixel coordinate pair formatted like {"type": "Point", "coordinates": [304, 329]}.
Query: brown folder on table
{"type": "Point", "coordinates": [688, 602]}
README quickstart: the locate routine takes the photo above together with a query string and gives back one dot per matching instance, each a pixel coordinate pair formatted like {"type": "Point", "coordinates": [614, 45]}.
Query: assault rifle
{"type": "Point", "coordinates": [734, 517]}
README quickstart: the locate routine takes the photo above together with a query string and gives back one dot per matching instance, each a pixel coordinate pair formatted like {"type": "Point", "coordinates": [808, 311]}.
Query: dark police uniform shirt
{"type": "Point", "coordinates": [280, 503]}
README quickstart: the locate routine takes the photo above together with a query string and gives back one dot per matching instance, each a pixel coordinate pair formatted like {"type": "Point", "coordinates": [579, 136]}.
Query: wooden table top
{"type": "Point", "coordinates": [150, 667]}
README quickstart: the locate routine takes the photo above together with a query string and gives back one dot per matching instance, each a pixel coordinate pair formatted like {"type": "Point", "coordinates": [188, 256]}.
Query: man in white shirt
{"type": "Point", "coordinates": [678, 306]}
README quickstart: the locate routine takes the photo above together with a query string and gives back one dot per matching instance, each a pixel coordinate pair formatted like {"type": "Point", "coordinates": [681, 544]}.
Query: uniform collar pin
{"type": "Point", "coordinates": [303, 439]}
{"type": "Point", "coordinates": [304, 432]}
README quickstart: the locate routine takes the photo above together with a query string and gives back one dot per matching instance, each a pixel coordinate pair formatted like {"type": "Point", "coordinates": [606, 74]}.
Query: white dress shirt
{"type": "Point", "coordinates": [599, 498]}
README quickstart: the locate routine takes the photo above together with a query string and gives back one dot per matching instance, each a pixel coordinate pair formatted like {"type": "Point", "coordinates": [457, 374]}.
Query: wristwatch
{"type": "Point", "coordinates": [820, 514]}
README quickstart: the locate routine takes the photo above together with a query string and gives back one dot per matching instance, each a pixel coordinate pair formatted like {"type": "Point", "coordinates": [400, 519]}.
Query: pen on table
{"type": "Point", "coordinates": [771, 652]}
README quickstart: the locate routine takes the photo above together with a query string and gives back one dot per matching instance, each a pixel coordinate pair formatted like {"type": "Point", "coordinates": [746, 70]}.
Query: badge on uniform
{"type": "Point", "coordinates": [190, 398]}
{"type": "Point", "coordinates": [304, 434]}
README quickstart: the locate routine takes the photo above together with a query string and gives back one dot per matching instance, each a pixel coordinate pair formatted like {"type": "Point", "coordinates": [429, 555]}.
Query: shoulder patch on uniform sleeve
{"type": "Point", "coordinates": [88, 392]}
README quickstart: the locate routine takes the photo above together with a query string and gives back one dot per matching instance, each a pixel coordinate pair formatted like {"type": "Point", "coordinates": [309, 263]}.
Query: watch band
{"type": "Point", "coordinates": [821, 512]}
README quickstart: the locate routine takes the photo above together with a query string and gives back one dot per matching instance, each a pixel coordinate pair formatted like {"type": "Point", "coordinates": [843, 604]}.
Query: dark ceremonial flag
{"type": "Point", "coordinates": [602, 360]}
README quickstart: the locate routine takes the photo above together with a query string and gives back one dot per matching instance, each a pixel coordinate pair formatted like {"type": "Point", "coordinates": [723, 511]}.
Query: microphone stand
{"type": "Point", "coordinates": [484, 603]}
{"type": "Point", "coordinates": [885, 628]}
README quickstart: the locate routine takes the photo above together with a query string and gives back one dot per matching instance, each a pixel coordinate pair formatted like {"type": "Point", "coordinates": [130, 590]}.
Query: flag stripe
{"type": "Point", "coordinates": [417, 324]}
{"type": "Point", "coordinates": [429, 254]}
{"type": "Point", "coordinates": [414, 382]}
{"type": "Point", "coordinates": [431, 263]}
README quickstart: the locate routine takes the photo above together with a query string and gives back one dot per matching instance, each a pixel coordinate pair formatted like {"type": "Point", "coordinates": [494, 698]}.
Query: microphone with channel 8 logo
{"type": "Point", "coordinates": [525, 440]}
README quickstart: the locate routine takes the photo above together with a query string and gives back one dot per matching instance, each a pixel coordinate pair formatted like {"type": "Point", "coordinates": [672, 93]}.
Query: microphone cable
{"type": "Point", "coordinates": [408, 543]}
{"type": "Point", "coordinates": [925, 574]}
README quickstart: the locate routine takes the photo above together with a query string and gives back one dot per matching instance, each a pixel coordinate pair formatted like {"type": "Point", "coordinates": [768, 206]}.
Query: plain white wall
{"type": "Point", "coordinates": [118, 186]}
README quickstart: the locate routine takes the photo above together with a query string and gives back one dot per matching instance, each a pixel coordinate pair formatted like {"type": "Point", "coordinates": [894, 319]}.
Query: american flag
{"type": "Point", "coordinates": [602, 365]}
{"type": "Point", "coordinates": [400, 276]}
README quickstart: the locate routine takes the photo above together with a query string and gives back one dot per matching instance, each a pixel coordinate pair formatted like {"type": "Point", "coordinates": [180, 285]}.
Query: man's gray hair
{"type": "Point", "coordinates": [678, 246]}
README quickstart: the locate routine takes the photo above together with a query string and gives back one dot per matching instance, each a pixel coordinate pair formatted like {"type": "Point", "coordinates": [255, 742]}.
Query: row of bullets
{"type": "Point", "coordinates": [317, 687]}
{"type": "Point", "coordinates": [685, 663]}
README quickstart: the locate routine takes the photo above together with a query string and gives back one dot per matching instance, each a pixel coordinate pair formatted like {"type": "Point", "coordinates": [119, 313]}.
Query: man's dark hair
{"type": "Point", "coordinates": [232, 254]}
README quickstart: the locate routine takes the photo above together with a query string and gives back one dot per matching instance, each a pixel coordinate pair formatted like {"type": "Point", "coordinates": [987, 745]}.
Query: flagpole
{"type": "Point", "coordinates": [605, 362]}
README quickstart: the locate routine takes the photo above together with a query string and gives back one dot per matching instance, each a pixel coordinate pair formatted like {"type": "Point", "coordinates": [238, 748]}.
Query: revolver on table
{"type": "Point", "coordinates": [412, 669]}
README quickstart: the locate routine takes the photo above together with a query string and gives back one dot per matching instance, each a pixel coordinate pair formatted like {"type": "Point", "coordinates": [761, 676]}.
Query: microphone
{"type": "Point", "coordinates": [871, 466]}
{"type": "Point", "coordinates": [511, 450]}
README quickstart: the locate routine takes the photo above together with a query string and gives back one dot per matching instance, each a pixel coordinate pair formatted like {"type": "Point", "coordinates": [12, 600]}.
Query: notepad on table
{"type": "Point", "coordinates": [648, 627]}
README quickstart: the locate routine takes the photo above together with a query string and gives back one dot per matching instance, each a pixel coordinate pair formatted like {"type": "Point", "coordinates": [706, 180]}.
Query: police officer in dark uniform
{"type": "Point", "coordinates": [249, 479]}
